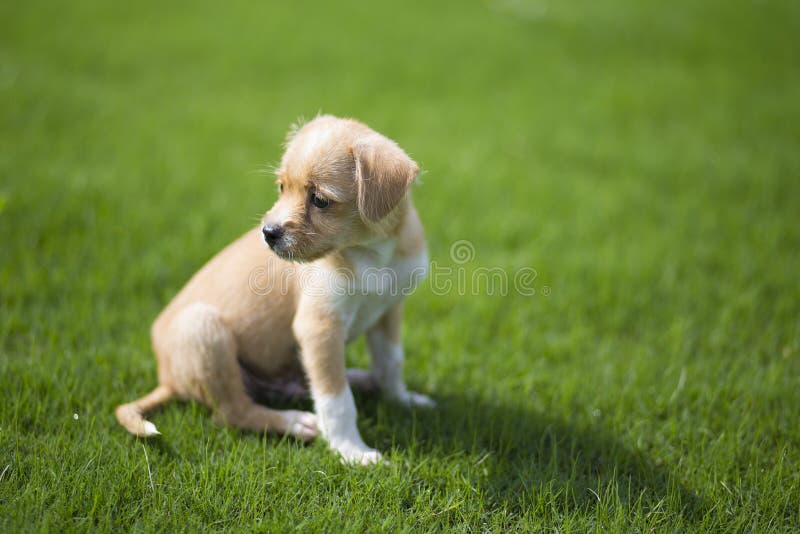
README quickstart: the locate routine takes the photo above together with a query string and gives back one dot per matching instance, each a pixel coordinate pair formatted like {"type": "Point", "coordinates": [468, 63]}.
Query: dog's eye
{"type": "Point", "coordinates": [319, 202]}
{"type": "Point", "coordinates": [280, 188]}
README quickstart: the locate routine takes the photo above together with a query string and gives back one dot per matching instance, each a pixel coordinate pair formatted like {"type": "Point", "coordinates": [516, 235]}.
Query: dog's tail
{"type": "Point", "coordinates": [131, 415]}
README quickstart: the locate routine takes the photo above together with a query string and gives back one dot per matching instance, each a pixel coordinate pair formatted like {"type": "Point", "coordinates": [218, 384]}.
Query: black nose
{"type": "Point", "coordinates": [272, 232]}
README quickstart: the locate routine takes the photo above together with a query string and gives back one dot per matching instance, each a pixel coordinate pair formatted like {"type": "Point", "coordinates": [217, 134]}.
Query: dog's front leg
{"type": "Point", "coordinates": [322, 341]}
{"type": "Point", "coordinates": [386, 350]}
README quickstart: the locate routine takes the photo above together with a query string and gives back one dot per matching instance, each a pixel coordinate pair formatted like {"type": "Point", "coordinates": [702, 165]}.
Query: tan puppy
{"type": "Point", "coordinates": [346, 247]}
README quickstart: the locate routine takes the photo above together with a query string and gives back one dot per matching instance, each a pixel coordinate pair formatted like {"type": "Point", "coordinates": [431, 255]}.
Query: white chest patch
{"type": "Point", "coordinates": [379, 279]}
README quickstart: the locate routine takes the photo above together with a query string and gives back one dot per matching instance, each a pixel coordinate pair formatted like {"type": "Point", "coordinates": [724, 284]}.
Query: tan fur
{"type": "Point", "coordinates": [220, 320]}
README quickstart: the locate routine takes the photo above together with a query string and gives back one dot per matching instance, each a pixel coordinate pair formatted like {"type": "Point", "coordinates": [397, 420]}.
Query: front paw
{"type": "Point", "coordinates": [413, 399]}
{"type": "Point", "coordinates": [351, 454]}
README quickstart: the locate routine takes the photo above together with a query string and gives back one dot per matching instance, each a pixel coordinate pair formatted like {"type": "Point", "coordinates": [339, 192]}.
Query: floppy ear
{"type": "Point", "coordinates": [383, 174]}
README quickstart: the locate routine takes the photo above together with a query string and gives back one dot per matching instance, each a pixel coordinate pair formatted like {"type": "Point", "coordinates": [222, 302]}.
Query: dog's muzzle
{"type": "Point", "coordinates": [272, 234]}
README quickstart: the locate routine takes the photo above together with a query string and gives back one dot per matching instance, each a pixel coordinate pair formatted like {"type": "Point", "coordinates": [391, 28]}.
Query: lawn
{"type": "Point", "coordinates": [641, 157]}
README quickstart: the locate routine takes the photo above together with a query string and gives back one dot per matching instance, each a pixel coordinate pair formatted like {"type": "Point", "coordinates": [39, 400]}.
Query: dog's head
{"type": "Point", "coordinates": [339, 184]}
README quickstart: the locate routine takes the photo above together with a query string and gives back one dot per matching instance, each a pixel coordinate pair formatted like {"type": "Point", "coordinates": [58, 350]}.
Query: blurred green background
{"type": "Point", "coordinates": [643, 157]}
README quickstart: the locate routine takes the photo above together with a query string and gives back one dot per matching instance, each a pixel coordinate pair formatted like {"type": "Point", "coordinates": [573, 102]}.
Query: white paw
{"type": "Point", "coordinates": [358, 455]}
{"type": "Point", "coordinates": [302, 425]}
{"type": "Point", "coordinates": [150, 429]}
{"type": "Point", "coordinates": [413, 399]}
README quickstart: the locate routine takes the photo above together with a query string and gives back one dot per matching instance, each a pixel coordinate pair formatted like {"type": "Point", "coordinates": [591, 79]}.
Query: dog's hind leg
{"type": "Point", "coordinates": [131, 415]}
{"type": "Point", "coordinates": [200, 351]}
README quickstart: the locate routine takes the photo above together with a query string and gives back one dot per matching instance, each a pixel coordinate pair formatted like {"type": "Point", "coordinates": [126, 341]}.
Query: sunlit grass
{"type": "Point", "coordinates": [641, 157]}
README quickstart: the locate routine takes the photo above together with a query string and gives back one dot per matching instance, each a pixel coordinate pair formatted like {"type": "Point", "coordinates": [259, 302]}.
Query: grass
{"type": "Point", "coordinates": [643, 157]}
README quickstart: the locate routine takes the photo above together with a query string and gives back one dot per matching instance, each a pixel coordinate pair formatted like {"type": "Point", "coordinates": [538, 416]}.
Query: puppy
{"type": "Point", "coordinates": [344, 247]}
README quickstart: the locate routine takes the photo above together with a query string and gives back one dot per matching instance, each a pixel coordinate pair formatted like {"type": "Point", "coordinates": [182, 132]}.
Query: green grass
{"type": "Point", "coordinates": [642, 156]}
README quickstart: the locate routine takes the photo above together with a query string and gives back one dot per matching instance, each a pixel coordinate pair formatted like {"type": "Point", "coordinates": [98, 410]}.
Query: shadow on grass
{"type": "Point", "coordinates": [522, 457]}
{"type": "Point", "coordinates": [521, 454]}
